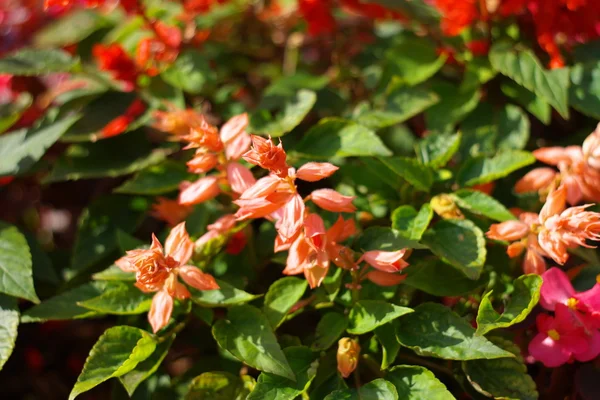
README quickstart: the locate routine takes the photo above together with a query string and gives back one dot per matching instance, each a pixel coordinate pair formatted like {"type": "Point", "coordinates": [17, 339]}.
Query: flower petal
{"type": "Point", "coordinates": [160, 311]}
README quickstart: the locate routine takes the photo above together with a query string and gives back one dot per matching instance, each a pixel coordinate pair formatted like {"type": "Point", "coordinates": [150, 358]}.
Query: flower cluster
{"type": "Point", "coordinates": [572, 333]}
{"type": "Point", "coordinates": [157, 270]}
{"type": "Point", "coordinates": [578, 170]}
{"type": "Point", "coordinates": [549, 234]}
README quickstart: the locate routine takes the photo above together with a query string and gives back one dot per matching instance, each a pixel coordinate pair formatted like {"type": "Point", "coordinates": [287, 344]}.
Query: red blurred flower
{"type": "Point", "coordinates": [112, 58]}
{"type": "Point", "coordinates": [456, 15]}
{"type": "Point", "coordinates": [318, 16]}
{"type": "Point", "coordinates": [122, 122]}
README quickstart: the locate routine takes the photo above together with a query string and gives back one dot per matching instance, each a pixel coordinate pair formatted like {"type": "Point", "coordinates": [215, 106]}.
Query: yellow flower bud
{"type": "Point", "coordinates": [347, 356]}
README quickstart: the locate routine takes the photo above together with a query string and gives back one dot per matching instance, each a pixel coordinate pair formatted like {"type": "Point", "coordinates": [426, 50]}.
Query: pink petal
{"type": "Point", "coordinates": [314, 225]}
{"type": "Point", "coordinates": [196, 278]}
{"type": "Point", "coordinates": [556, 289]}
{"type": "Point", "coordinates": [315, 171]}
{"type": "Point", "coordinates": [386, 261]}
{"type": "Point", "coordinates": [160, 311]}
{"type": "Point", "coordinates": [178, 244]}
{"type": "Point", "coordinates": [555, 203]}
{"type": "Point", "coordinates": [330, 200]}
{"type": "Point", "coordinates": [385, 278]}
{"type": "Point", "coordinates": [234, 127]}
{"type": "Point", "coordinates": [297, 256]}
{"type": "Point", "coordinates": [239, 177]}
{"type": "Point", "coordinates": [536, 179]}
{"type": "Point", "coordinates": [593, 349]}
{"type": "Point", "coordinates": [293, 217]}
{"type": "Point", "coordinates": [508, 230]}
{"type": "Point", "coordinates": [238, 146]}
{"type": "Point", "coordinates": [200, 191]}
{"type": "Point", "coordinates": [262, 188]}
{"type": "Point", "coordinates": [547, 351]}
{"type": "Point", "coordinates": [315, 275]}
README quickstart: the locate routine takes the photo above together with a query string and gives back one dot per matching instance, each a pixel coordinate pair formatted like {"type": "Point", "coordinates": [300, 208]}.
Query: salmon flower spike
{"type": "Point", "coordinates": [157, 270]}
{"type": "Point", "coordinates": [177, 122]}
{"type": "Point", "coordinates": [315, 171]}
{"type": "Point", "coordinates": [239, 177]}
{"type": "Point", "coordinates": [347, 356]}
{"type": "Point", "coordinates": [170, 211]}
{"type": "Point", "coordinates": [330, 200]}
{"type": "Point", "coordinates": [563, 229]}
{"type": "Point", "coordinates": [200, 191]}
{"type": "Point", "coordinates": [591, 149]}
{"type": "Point", "coordinates": [266, 155]}
{"type": "Point", "coordinates": [386, 261]}
{"type": "Point", "coordinates": [202, 163]}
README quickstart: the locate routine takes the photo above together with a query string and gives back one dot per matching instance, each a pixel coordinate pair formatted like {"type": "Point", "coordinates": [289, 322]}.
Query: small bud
{"type": "Point", "coordinates": [445, 207]}
{"type": "Point", "coordinates": [347, 356]}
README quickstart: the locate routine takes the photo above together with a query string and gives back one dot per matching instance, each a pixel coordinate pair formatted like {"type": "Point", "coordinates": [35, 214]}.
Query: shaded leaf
{"type": "Point", "coordinates": [247, 335]}
{"type": "Point", "coordinates": [335, 137]}
{"type": "Point", "coordinates": [416, 383]}
{"type": "Point", "coordinates": [156, 179]}
{"type": "Point", "coordinates": [584, 93]}
{"type": "Point", "coordinates": [227, 295]}
{"type": "Point", "coordinates": [216, 386]}
{"type": "Point", "coordinates": [426, 275]}
{"type": "Point", "coordinates": [293, 112]}
{"type": "Point", "coordinates": [329, 329]}
{"type": "Point", "coordinates": [386, 239]}
{"type": "Point", "coordinates": [190, 72]}
{"type": "Point", "coordinates": [480, 203]}
{"type": "Point", "coordinates": [117, 351]}
{"type": "Point", "coordinates": [504, 378]}
{"type": "Point", "coordinates": [413, 60]}
{"type": "Point", "coordinates": [437, 149]}
{"type": "Point", "coordinates": [9, 323]}
{"type": "Point", "coordinates": [379, 389]}
{"type": "Point", "coordinates": [452, 108]}
{"type": "Point", "coordinates": [525, 296]}
{"type": "Point", "coordinates": [532, 103]}
{"type": "Point", "coordinates": [435, 331]}
{"type": "Point", "coordinates": [119, 299]}
{"type": "Point", "coordinates": [482, 169]}
{"type": "Point", "coordinates": [410, 223]}
{"type": "Point", "coordinates": [459, 243]}
{"type": "Point", "coordinates": [386, 334]}
{"type": "Point", "coordinates": [16, 276]}
{"type": "Point", "coordinates": [281, 297]}
{"type": "Point", "coordinates": [31, 62]}
{"type": "Point", "coordinates": [70, 28]}
{"type": "Point", "coordinates": [418, 175]}
{"type": "Point", "coordinates": [523, 67]}
{"type": "Point", "coordinates": [513, 128]}
{"type": "Point", "coordinates": [366, 315]}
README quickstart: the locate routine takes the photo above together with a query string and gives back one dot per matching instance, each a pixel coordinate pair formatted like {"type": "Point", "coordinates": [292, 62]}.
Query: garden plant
{"type": "Point", "coordinates": [300, 199]}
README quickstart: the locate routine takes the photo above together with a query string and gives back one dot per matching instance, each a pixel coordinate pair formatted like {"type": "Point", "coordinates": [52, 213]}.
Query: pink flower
{"type": "Point", "coordinates": [314, 171]}
{"type": "Point", "coordinates": [200, 191]}
{"type": "Point", "coordinates": [218, 228]}
{"type": "Point", "coordinates": [268, 156]}
{"type": "Point", "coordinates": [202, 163]}
{"type": "Point", "coordinates": [386, 261]}
{"type": "Point", "coordinates": [537, 180]}
{"type": "Point", "coordinates": [157, 270]}
{"type": "Point", "coordinates": [330, 200]}
{"type": "Point", "coordinates": [562, 338]}
{"type": "Point", "coordinates": [591, 149]}
{"type": "Point", "coordinates": [234, 136]}
{"type": "Point", "coordinates": [385, 278]}
{"type": "Point", "coordinates": [239, 177]}
{"type": "Point", "coordinates": [557, 289]}
{"type": "Point", "coordinates": [508, 230]}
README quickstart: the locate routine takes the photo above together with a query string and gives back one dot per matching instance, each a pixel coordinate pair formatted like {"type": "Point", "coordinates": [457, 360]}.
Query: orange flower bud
{"type": "Point", "coordinates": [347, 356]}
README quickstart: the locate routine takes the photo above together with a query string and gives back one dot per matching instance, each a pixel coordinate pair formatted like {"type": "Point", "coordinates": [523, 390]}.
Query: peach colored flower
{"type": "Point", "coordinates": [330, 200]}
{"type": "Point", "coordinates": [205, 137]}
{"type": "Point", "coordinates": [314, 247]}
{"type": "Point", "coordinates": [170, 211]}
{"type": "Point", "coordinates": [315, 171]}
{"type": "Point", "coordinates": [591, 149]}
{"type": "Point", "coordinates": [347, 356]}
{"type": "Point", "coordinates": [385, 278]}
{"type": "Point", "coordinates": [239, 177]}
{"type": "Point", "coordinates": [202, 163]}
{"type": "Point", "coordinates": [156, 270]}
{"type": "Point", "coordinates": [178, 122]}
{"type": "Point", "coordinates": [200, 191]}
{"type": "Point", "coordinates": [386, 261]}
{"type": "Point", "coordinates": [537, 180]}
{"type": "Point", "coordinates": [218, 228]}
{"type": "Point", "coordinates": [563, 229]}
{"type": "Point", "coordinates": [268, 156]}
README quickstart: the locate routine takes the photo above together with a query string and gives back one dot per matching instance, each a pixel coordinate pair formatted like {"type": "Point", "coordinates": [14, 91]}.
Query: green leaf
{"type": "Point", "coordinates": [482, 169]}
{"type": "Point", "coordinates": [335, 137]}
{"type": "Point", "coordinates": [402, 104]}
{"type": "Point", "coordinates": [426, 275]}
{"type": "Point", "coordinates": [190, 72]}
{"type": "Point", "coordinates": [329, 329]}
{"type": "Point", "coordinates": [16, 276]}
{"type": "Point", "coordinates": [121, 155]}
{"type": "Point", "coordinates": [452, 108]}
{"type": "Point", "coordinates": [386, 239]}
{"type": "Point", "coordinates": [9, 323]}
{"type": "Point", "coordinates": [513, 128]}
{"type": "Point", "coordinates": [504, 378]}
{"type": "Point", "coordinates": [293, 112]}
{"type": "Point", "coordinates": [11, 112]}
{"type": "Point", "coordinates": [379, 389]}
{"type": "Point", "coordinates": [225, 296]}
{"type": "Point", "coordinates": [20, 149]}
{"type": "Point", "coordinates": [281, 297]}
{"type": "Point", "coordinates": [146, 368]}
{"type": "Point", "coordinates": [410, 223]}
{"type": "Point", "coordinates": [525, 296]}
{"type": "Point", "coordinates": [64, 305]}
{"type": "Point", "coordinates": [386, 334]}
{"type": "Point", "coordinates": [459, 243]}
{"type": "Point", "coordinates": [119, 299]}
{"type": "Point", "coordinates": [480, 203]}
{"type": "Point", "coordinates": [217, 386]}
{"type": "Point", "coordinates": [413, 60]}
{"type": "Point", "coordinates": [273, 387]}
{"type": "Point", "coordinates": [532, 103]}
{"type": "Point", "coordinates": [43, 270]}
{"type": "Point", "coordinates": [366, 315]}
{"type": "Point", "coordinates": [435, 331]}
{"type": "Point", "coordinates": [478, 71]}
{"type": "Point", "coordinates": [247, 335]}
{"type": "Point", "coordinates": [584, 93]}
{"type": "Point", "coordinates": [70, 28]}
{"type": "Point", "coordinates": [437, 149]}
{"type": "Point", "coordinates": [418, 175]}
{"type": "Point", "coordinates": [117, 351]}
{"type": "Point", "coordinates": [156, 179]}
{"type": "Point", "coordinates": [32, 62]}
{"type": "Point", "coordinates": [99, 225]}
{"type": "Point", "coordinates": [114, 273]}
{"type": "Point", "coordinates": [419, 10]}
{"type": "Point", "coordinates": [417, 383]}
{"type": "Point", "coordinates": [523, 67]}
